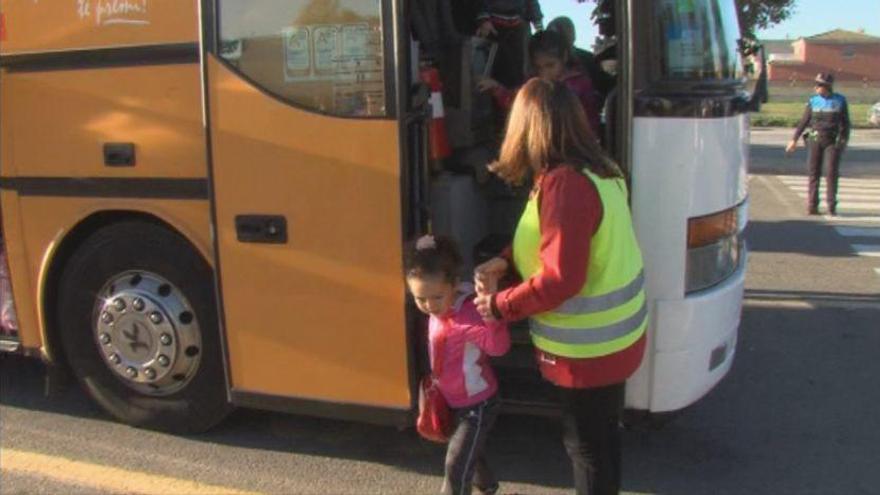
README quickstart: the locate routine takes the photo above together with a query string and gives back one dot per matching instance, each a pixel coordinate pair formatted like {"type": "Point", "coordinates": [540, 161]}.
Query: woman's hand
{"type": "Point", "coordinates": [484, 307]}
{"type": "Point", "coordinates": [487, 84]}
{"type": "Point", "coordinates": [792, 145]}
{"type": "Point", "coordinates": [485, 29]}
{"type": "Point", "coordinates": [486, 276]}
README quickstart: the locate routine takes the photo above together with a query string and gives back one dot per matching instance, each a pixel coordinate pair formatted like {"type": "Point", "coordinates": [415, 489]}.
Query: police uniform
{"type": "Point", "coordinates": [827, 118]}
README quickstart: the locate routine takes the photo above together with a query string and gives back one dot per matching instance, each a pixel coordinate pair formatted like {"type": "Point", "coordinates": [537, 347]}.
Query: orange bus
{"type": "Point", "coordinates": [204, 204]}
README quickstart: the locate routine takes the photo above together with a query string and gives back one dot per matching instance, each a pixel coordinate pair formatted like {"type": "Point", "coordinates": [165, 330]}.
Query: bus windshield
{"type": "Point", "coordinates": [697, 40]}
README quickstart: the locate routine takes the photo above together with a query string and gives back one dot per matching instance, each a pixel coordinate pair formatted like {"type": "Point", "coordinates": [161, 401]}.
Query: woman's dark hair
{"type": "Point", "coordinates": [547, 127]}
{"type": "Point", "coordinates": [432, 256]}
{"type": "Point", "coordinates": [549, 43]}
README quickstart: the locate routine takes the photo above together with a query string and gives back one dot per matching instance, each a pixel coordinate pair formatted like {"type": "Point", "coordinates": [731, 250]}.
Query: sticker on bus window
{"type": "Point", "coordinates": [326, 39]}
{"type": "Point", "coordinates": [356, 42]}
{"type": "Point", "coordinates": [230, 50]}
{"type": "Point", "coordinates": [342, 53]}
{"type": "Point", "coordinates": [297, 53]}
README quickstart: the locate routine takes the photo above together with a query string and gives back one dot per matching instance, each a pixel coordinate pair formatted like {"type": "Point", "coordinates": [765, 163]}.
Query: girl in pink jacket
{"type": "Point", "coordinates": [460, 342]}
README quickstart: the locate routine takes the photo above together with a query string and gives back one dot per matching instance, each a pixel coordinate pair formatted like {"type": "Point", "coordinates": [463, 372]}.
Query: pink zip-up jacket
{"type": "Point", "coordinates": [466, 375]}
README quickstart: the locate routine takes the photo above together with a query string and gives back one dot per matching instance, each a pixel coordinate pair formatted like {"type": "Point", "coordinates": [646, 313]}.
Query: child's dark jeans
{"type": "Point", "coordinates": [465, 460]}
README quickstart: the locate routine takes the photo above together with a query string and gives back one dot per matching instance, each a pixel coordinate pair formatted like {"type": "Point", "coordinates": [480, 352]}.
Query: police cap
{"type": "Point", "coordinates": [824, 79]}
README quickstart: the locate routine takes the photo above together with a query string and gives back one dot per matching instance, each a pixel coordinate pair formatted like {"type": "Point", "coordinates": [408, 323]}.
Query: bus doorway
{"type": "Point", "coordinates": [462, 198]}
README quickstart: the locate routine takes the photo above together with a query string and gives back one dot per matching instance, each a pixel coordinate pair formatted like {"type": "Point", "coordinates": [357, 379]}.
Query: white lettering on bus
{"type": "Point", "coordinates": [107, 12]}
{"type": "Point", "coordinates": [83, 8]}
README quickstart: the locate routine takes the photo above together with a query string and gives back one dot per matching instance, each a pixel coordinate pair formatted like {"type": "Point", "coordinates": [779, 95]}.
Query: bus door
{"type": "Point", "coordinates": [306, 189]}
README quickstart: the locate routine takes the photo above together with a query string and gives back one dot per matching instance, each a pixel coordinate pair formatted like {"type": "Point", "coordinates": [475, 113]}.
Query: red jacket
{"type": "Point", "coordinates": [570, 212]}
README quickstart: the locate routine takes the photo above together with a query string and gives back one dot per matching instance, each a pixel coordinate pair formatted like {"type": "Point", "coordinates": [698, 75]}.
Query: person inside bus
{"type": "Point", "coordinates": [583, 59]}
{"type": "Point", "coordinates": [433, 26]}
{"type": "Point", "coordinates": [550, 57]}
{"type": "Point", "coordinates": [507, 23]}
{"type": "Point", "coordinates": [827, 114]}
{"type": "Point", "coordinates": [460, 343]}
{"type": "Point", "coordinates": [581, 268]}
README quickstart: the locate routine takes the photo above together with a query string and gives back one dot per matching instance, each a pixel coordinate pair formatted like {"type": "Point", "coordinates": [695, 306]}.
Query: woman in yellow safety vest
{"type": "Point", "coordinates": [581, 270]}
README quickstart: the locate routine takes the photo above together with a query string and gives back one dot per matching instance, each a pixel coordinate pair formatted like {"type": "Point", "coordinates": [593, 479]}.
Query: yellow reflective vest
{"type": "Point", "coordinates": [609, 313]}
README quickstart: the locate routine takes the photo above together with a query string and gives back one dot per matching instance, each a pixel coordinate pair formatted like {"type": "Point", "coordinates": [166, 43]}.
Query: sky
{"type": "Point", "coordinates": [810, 17]}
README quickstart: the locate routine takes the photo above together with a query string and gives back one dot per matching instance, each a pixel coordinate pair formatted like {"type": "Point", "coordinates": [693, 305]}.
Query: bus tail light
{"type": "Point", "coordinates": [715, 247]}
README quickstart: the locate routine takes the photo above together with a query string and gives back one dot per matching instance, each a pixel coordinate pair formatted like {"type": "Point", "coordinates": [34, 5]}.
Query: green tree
{"type": "Point", "coordinates": [761, 14]}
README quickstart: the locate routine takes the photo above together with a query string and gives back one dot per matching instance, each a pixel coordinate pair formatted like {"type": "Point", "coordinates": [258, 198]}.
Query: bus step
{"type": "Point", "coordinates": [520, 356]}
{"type": "Point", "coordinates": [523, 387]}
{"type": "Point", "coordinates": [519, 333]}
{"type": "Point", "coordinates": [9, 344]}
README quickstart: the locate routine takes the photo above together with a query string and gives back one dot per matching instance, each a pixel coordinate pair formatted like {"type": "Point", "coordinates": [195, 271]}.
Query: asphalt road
{"type": "Point", "coordinates": [796, 415]}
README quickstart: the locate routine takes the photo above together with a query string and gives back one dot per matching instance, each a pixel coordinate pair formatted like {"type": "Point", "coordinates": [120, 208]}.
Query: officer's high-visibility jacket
{"type": "Point", "coordinates": [609, 313]}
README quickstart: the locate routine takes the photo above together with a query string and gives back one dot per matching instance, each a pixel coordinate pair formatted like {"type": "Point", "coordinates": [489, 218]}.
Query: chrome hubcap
{"type": "Point", "coordinates": [147, 333]}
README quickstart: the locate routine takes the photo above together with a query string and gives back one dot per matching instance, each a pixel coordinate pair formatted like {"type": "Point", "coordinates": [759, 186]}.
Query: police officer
{"type": "Point", "coordinates": [827, 116]}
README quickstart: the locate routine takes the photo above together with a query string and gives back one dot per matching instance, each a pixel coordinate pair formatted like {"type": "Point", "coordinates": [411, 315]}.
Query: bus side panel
{"type": "Point", "coordinates": [63, 119]}
{"type": "Point", "coordinates": [54, 126]}
{"type": "Point", "coordinates": [56, 25]}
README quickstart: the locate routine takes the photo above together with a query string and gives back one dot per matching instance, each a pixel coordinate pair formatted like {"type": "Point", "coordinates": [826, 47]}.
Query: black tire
{"type": "Point", "coordinates": [127, 246]}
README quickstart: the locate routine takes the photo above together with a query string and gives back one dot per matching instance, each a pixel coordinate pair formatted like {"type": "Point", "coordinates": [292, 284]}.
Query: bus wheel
{"type": "Point", "coordinates": [139, 327]}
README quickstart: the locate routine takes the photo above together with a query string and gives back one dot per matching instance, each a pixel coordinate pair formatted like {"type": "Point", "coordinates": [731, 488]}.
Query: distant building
{"type": "Point", "coordinates": [849, 55]}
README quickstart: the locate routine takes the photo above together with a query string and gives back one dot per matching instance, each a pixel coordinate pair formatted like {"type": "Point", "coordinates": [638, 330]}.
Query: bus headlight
{"type": "Point", "coordinates": [715, 247]}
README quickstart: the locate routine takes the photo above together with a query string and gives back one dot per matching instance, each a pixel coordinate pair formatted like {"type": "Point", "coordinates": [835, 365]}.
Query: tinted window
{"type": "Point", "coordinates": [321, 54]}
{"type": "Point", "coordinates": [698, 39]}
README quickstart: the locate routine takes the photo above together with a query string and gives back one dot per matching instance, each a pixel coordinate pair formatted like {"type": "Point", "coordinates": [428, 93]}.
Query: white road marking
{"type": "Point", "coordinates": [869, 250]}
{"type": "Point", "coordinates": [857, 232]}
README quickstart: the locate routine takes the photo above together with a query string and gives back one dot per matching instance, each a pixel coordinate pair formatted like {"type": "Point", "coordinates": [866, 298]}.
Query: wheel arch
{"type": "Point", "coordinates": [67, 245]}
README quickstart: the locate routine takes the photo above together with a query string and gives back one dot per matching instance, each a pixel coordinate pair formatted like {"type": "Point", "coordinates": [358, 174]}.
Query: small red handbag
{"type": "Point", "coordinates": [434, 422]}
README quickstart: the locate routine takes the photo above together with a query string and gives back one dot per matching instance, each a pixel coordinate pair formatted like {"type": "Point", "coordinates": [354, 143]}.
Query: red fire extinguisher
{"type": "Point", "coordinates": [437, 128]}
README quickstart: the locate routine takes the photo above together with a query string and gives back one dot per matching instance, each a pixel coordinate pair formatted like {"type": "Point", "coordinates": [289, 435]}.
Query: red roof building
{"type": "Point", "coordinates": [850, 56]}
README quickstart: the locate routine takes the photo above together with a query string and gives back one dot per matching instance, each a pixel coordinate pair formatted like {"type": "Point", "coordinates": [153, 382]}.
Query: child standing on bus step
{"type": "Point", "coordinates": [550, 57]}
{"type": "Point", "coordinates": [463, 340]}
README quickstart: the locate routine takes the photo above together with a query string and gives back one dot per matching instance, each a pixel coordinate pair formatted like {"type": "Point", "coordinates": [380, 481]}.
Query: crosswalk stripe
{"type": "Point", "coordinates": [852, 190]}
{"type": "Point", "coordinates": [853, 216]}
{"type": "Point", "coordinates": [869, 250]}
{"type": "Point", "coordinates": [850, 181]}
{"type": "Point", "coordinates": [840, 190]}
{"type": "Point", "coordinates": [853, 198]}
{"type": "Point", "coordinates": [858, 199]}
{"type": "Point", "coordinates": [877, 271]}
{"type": "Point", "coordinates": [853, 205]}
{"type": "Point", "coordinates": [857, 232]}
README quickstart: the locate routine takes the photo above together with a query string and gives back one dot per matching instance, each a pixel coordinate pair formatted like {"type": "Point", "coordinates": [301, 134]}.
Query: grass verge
{"type": "Point", "coordinates": [787, 114]}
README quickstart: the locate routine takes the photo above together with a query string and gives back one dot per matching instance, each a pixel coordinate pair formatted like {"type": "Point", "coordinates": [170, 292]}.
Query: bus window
{"type": "Point", "coordinates": [324, 56]}
{"type": "Point", "coordinates": [698, 40]}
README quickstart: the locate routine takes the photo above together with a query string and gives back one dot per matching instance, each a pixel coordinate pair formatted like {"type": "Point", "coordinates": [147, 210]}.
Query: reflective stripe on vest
{"type": "Point", "coordinates": [609, 313]}
{"type": "Point", "coordinates": [595, 335]}
{"type": "Point", "coordinates": [594, 304]}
